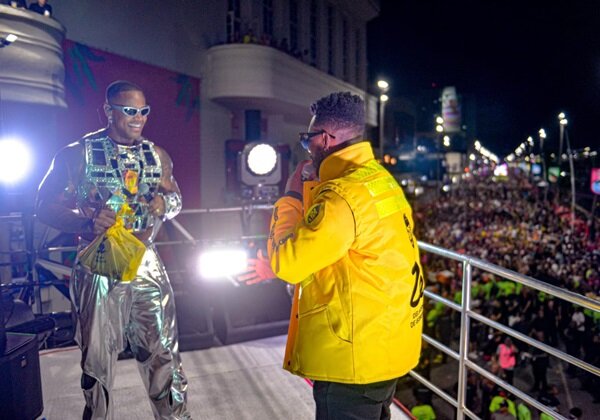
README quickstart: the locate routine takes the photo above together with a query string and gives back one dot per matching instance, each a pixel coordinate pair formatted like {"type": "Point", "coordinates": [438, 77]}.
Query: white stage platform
{"type": "Point", "coordinates": [239, 381]}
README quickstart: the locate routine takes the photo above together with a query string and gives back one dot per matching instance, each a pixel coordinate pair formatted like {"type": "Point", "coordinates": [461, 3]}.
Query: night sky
{"type": "Point", "coordinates": [524, 62]}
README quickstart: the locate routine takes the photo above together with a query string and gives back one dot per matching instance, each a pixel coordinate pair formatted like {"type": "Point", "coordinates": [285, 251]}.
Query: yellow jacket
{"type": "Point", "coordinates": [357, 311]}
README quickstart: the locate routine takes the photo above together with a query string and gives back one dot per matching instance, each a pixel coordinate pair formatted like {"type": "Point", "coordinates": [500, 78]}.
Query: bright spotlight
{"type": "Point", "coordinates": [261, 159]}
{"type": "Point", "coordinates": [220, 264]}
{"type": "Point", "coordinates": [382, 84]}
{"type": "Point", "coordinates": [15, 161]}
{"type": "Point", "coordinates": [439, 128]}
{"type": "Point", "coordinates": [439, 120]}
{"type": "Point", "coordinates": [384, 98]}
{"type": "Point", "coordinates": [260, 169]}
{"type": "Point", "coordinates": [561, 116]}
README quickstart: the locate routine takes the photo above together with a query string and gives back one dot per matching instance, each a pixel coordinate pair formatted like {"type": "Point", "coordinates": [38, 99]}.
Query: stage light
{"type": "Point", "coordinates": [7, 40]}
{"type": "Point", "coordinates": [261, 159]}
{"type": "Point", "coordinates": [15, 161]}
{"type": "Point", "coordinates": [260, 171]}
{"type": "Point", "coordinates": [222, 263]}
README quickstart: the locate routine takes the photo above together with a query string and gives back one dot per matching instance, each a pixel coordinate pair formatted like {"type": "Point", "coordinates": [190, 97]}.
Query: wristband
{"type": "Point", "coordinates": [173, 204]}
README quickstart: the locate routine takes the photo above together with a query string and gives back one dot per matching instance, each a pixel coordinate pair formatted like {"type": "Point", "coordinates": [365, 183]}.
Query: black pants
{"type": "Point", "coordinates": [336, 401]}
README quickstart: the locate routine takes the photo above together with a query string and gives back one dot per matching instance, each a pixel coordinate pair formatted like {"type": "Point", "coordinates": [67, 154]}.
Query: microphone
{"type": "Point", "coordinates": [144, 191]}
{"type": "Point", "coordinates": [309, 172]}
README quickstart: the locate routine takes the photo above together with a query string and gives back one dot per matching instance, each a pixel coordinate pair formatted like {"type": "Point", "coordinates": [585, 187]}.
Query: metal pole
{"type": "Point", "coordinates": [544, 177]}
{"type": "Point", "coordinates": [464, 341]}
{"type": "Point", "coordinates": [381, 131]}
{"type": "Point", "coordinates": [559, 160]}
{"type": "Point", "coordinates": [572, 170]}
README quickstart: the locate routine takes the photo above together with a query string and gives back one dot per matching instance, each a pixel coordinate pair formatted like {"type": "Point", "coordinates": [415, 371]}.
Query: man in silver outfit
{"type": "Point", "coordinates": [87, 184]}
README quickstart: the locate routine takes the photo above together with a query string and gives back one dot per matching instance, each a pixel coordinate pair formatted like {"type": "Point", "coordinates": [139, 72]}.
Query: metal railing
{"type": "Point", "coordinates": [465, 310]}
{"type": "Point", "coordinates": [467, 314]}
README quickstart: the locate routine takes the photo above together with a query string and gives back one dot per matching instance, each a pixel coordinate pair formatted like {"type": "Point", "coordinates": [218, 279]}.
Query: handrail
{"type": "Point", "coordinates": [467, 314]}
{"type": "Point", "coordinates": [550, 289]}
{"type": "Point", "coordinates": [464, 308]}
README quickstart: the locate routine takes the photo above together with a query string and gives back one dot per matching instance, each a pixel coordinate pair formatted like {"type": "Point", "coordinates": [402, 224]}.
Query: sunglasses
{"type": "Point", "coordinates": [132, 111]}
{"type": "Point", "coordinates": [306, 137]}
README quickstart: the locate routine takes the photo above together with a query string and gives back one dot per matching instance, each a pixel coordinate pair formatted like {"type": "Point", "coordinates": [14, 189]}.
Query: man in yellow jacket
{"type": "Point", "coordinates": [347, 243]}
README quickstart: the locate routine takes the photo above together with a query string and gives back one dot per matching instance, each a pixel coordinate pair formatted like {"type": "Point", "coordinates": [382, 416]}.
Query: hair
{"type": "Point", "coordinates": [118, 86]}
{"type": "Point", "coordinates": [576, 412]}
{"type": "Point", "coordinates": [340, 111]}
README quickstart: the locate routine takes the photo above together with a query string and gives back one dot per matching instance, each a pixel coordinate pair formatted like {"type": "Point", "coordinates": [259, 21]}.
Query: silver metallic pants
{"type": "Point", "coordinates": [111, 314]}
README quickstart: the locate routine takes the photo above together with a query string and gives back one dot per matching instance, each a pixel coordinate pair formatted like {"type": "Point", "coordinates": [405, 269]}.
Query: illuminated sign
{"type": "Point", "coordinates": [595, 181]}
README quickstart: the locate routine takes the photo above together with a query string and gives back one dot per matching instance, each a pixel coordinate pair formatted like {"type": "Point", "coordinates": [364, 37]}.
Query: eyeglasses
{"type": "Point", "coordinates": [132, 111]}
{"type": "Point", "coordinates": [305, 137]}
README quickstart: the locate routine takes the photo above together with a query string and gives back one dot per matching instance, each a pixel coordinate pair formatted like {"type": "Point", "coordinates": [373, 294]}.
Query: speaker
{"type": "Point", "coordinates": [194, 320]}
{"type": "Point", "coordinates": [20, 381]}
{"type": "Point", "coordinates": [246, 313]}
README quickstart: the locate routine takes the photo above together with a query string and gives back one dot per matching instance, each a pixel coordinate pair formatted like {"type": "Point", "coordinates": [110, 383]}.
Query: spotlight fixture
{"type": "Point", "coordinates": [5, 41]}
{"type": "Point", "coordinates": [260, 171]}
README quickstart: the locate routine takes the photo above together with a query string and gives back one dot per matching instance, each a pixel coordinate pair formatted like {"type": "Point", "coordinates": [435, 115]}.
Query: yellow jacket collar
{"type": "Point", "coordinates": [334, 165]}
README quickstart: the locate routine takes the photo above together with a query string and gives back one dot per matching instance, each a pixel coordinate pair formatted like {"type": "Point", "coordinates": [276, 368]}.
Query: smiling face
{"type": "Point", "coordinates": [123, 128]}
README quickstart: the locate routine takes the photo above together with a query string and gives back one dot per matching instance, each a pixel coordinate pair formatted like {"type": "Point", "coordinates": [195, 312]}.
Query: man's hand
{"type": "Point", "coordinates": [258, 270]}
{"type": "Point", "coordinates": [157, 206]}
{"type": "Point", "coordinates": [103, 220]}
{"type": "Point", "coordinates": [294, 182]}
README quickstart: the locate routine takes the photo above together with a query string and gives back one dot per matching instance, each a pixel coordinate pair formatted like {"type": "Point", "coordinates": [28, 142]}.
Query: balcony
{"type": "Point", "coordinates": [249, 76]}
{"type": "Point", "coordinates": [32, 67]}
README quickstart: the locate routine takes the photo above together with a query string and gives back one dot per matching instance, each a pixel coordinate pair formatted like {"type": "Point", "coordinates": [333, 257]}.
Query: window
{"type": "Point", "coordinates": [314, 16]}
{"type": "Point", "coordinates": [267, 9]}
{"type": "Point", "coordinates": [293, 26]}
{"type": "Point", "coordinates": [314, 28]}
{"type": "Point", "coordinates": [357, 58]}
{"type": "Point", "coordinates": [345, 50]}
{"type": "Point", "coordinates": [234, 21]}
{"type": "Point", "coordinates": [330, 40]}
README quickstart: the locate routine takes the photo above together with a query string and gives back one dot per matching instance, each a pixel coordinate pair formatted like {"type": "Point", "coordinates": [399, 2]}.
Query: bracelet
{"type": "Point", "coordinates": [173, 204]}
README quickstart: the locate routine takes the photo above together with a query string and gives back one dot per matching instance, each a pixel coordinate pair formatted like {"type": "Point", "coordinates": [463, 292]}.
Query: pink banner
{"type": "Point", "coordinates": [174, 123]}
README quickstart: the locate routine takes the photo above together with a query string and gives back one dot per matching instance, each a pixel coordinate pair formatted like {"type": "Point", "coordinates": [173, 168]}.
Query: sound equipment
{"type": "Point", "coordinates": [251, 312]}
{"type": "Point", "coordinates": [20, 381]}
{"type": "Point", "coordinates": [194, 319]}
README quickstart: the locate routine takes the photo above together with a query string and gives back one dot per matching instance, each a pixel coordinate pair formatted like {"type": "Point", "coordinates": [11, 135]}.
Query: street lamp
{"type": "Point", "coordinates": [383, 86]}
{"type": "Point", "coordinates": [563, 130]}
{"type": "Point", "coordinates": [542, 134]}
{"type": "Point", "coordinates": [439, 128]}
{"type": "Point", "coordinates": [562, 120]}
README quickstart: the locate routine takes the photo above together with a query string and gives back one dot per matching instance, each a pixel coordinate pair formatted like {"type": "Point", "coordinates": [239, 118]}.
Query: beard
{"type": "Point", "coordinates": [317, 157]}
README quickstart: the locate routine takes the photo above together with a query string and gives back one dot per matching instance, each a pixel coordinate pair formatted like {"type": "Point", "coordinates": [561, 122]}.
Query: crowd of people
{"type": "Point", "coordinates": [40, 6]}
{"type": "Point", "coordinates": [508, 223]}
{"type": "Point", "coordinates": [249, 37]}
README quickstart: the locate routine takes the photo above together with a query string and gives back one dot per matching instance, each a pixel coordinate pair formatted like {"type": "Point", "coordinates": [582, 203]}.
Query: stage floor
{"type": "Point", "coordinates": [238, 381]}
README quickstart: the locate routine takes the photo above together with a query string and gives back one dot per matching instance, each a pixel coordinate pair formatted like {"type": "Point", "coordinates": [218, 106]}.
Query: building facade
{"type": "Point", "coordinates": [268, 59]}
